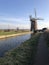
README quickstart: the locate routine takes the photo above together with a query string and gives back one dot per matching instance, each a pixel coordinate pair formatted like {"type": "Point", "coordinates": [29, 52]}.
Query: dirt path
{"type": "Point", "coordinates": [42, 57]}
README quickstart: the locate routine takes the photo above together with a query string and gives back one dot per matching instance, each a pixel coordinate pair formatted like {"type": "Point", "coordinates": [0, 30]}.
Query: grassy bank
{"type": "Point", "coordinates": [11, 32]}
{"type": "Point", "coordinates": [8, 33]}
{"type": "Point", "coordinates": [23, 55]}
{"type": "Point", "coordinates": [47, 38]}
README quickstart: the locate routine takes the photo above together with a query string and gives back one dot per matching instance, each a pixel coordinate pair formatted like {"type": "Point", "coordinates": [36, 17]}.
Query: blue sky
{"type": "Point", "coordinates": [15, 13]}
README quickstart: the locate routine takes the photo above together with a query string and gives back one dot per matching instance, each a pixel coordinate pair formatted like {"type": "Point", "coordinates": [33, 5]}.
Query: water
{"type": "Point", "coordinates": [11, 43]}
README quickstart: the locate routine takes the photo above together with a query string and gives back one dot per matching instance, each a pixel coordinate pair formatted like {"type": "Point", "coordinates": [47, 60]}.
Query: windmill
{"type": "Point", "coordinates": [34, 22]}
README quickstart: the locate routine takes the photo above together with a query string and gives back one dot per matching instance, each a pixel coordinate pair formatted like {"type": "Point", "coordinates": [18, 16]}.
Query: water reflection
{"type": "Point", "coordinates": [13, 42]}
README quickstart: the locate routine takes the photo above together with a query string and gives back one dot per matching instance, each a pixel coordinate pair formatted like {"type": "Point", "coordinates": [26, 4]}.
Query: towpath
{"type": "Point", "coordinates": [42, 56]}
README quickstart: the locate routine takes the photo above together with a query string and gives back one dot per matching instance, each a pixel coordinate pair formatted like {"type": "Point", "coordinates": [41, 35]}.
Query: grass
{"type": "Point", "coordinates": [47, 38]}
{"type": "Point", "coordinates": [10, 32]}
{"type": "Point", "coordinates": [23, 55]}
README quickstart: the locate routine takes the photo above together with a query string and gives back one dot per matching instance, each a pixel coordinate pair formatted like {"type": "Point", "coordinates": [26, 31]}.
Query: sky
{"type": "Point", "coordinates": [15, 13]}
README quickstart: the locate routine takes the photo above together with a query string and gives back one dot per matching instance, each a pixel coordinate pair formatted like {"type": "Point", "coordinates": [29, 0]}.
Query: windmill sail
{"type": "Point", "coordinates": [35, 13]}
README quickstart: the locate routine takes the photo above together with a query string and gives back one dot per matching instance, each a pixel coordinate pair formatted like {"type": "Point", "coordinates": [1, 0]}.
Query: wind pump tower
{"type": "Point", "coordinates": [34, 22]}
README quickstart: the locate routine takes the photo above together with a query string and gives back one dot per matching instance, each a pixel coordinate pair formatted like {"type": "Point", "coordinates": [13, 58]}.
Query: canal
{"type": "Point", "coordinates": [11, 43]}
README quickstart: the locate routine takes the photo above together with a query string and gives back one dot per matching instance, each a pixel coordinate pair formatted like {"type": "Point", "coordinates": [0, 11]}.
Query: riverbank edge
{"type": "Point", "coordinates": [23, 55]}
{"type": "Point", "coordinates": [12, 35]}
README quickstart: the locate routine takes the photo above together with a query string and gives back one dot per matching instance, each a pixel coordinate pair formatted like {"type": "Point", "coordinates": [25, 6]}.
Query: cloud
{"type": "Point", "coordinates": [14, 26]}
{"type": "Point", "coordinates": [6, 22]}
{"type": "Point", "coordinates": [10, 19]}
{"type": "Point", "coordinates": [43, 24]}
{"type": "Point", "coordinates": [14, 21]}
{"type": "Point", "coordinates": [20, 22]}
